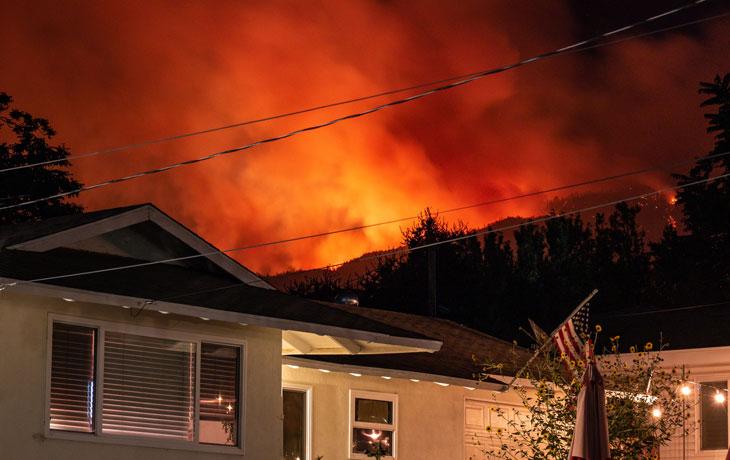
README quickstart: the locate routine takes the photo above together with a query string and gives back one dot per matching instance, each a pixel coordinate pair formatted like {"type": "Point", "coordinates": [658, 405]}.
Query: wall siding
{"type": "Point", "coordinates": [23, 337]}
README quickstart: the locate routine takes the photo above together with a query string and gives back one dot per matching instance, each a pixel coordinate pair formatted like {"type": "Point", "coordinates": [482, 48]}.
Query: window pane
{"type": "Point", "coordinates": [373, 411]}
{"type": "Point", "coordinates": [713, 416]}
{"type": "Point", "coordinates": [73, 363]}
{"type": "Point", "coordinates": [149, 387]}
{"type": "Point", "coordinates": [295, 424]}
{"type": "Point", "coordinates": [219, 398]}
{"type": "Point", "coordinates": [367, 441]}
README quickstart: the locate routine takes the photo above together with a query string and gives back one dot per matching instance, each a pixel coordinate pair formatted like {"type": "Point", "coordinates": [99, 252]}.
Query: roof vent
{"type": "Point", "coordinates": [348, 298]}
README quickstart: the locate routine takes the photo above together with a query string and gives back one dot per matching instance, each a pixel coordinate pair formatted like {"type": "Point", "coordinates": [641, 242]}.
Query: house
{"type": "Point", "coordinates": [181, 359]}
{"type": "Point", "coordinates": [427, 405]}
{"type": "Point", "coordinates": [697, 340]}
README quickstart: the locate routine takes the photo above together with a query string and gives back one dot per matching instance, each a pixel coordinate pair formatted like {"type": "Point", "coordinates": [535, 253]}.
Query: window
{"type": "Point", "coordinates": [296, 403]}
{"type": "Point", "coordinates": [219, 370]}
{"type": "Point", "coordinates": [73, 377]}
{"type": "Point", "coordinates": [713, 417]}
{"type": "Point", "coordinates": [174, 389]}
{"type": "Point", "coordinates": [373, 421]}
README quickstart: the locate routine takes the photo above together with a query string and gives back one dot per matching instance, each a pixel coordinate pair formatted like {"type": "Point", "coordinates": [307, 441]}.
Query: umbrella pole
{"type": "Point", "coordinates": [684, 422]}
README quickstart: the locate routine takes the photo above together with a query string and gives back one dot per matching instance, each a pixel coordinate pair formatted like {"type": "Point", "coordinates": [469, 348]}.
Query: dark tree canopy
{"type": "Point", "coordinates": [496, 281]}
{"type": "Point", "coordinates": [696, 262]}
{"type": "Point", "coordinates": [24, 139]}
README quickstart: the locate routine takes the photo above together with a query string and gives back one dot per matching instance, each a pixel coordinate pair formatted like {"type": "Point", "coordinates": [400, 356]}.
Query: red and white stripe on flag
{"type": "Point", "coordinates": [569, 342]}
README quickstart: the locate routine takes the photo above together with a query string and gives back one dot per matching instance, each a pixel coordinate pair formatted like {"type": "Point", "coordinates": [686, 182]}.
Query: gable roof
{"type": "Point", "coordinates": [46, 250]}
{"type": "Point", "coordinates": [68, 230]}
{"type": "Point", "coordinates": [11, 235]}
{"type": "Point", "coordinates": [463, 348]}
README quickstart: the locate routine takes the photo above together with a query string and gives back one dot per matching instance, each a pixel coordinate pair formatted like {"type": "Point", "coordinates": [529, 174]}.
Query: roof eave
{"type": "Point", "coordinates": [398, 344]}
{"type": "Point", "coordinates": [393, 373]}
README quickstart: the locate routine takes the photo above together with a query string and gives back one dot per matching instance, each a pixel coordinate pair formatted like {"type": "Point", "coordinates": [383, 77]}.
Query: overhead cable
{"type": "Point", "coordinates": [564, 50]}
{"type": "Point", "coordinates": [394, 252]}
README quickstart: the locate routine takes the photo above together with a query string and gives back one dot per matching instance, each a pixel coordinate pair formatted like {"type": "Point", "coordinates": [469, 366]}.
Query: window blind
{"type": "Point", "coordinates": [73, 368]}
{"type": "Point", "coordinates": [149, 387]}
{"type": "Point", "coordinates": [219, 398]}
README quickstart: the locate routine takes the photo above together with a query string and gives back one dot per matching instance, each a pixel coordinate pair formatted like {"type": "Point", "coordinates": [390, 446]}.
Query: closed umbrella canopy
{"type": "Point", "coordinates": [590, 438]}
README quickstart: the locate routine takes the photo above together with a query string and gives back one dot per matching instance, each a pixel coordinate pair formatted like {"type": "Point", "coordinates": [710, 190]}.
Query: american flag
{"type": "Point", "coordinates": [570, 338]}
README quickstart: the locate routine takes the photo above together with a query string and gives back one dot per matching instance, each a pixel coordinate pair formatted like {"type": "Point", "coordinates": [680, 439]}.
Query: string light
{"type": "Point", "coordinates": [441, 384]}
{"type": "Point", "coordinates": [355, 374]}
{"type": "Point", "coordinates": [656, 412]}
{"type": "Point", "coordinates": [685, 390]}
{"type": "Point", "coordinates": [386, 377]}
{"type": "Point", "coordinates": [325, 371]}
{"type": "Point", "coordinates": [414, 380]}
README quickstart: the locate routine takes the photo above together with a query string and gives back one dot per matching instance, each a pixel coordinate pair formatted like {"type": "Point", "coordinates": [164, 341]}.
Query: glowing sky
{"type": "Point", "coordinates": [111, 73]}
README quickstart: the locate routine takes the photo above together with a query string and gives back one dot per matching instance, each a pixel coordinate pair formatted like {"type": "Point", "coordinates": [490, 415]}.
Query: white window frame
{"type": "Point", "coordinates": [99, 437]}
{"type": "Point", "coordinates": [391, 397]}
{"type": "Point", "coordinates": [698, 411]}
{"type": "Point", "coordinates": [307, 390]}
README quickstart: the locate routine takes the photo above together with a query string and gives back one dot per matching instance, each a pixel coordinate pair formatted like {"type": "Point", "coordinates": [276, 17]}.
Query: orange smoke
{"type": "Point", "coordinates": [109, 73]}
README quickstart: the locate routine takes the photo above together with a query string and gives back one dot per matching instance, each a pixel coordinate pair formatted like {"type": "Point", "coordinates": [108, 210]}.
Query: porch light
{"type": "Point", "coordinates": [719, 397]}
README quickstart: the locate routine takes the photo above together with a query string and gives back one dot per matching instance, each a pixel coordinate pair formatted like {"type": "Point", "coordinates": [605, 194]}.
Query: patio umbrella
{"type": "Point", "coordinates": [590, 438]}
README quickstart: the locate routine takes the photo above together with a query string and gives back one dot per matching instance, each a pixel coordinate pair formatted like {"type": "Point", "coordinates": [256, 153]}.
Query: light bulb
{"type": "Point", "coordinates": [685, 390]}
{"type": "Point", "coordinates": [656, 412]}
{"type": "Point", "coordinates": [719, 397]}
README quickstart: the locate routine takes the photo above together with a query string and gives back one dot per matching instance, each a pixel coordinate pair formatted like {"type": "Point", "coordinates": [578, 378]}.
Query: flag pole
{"type": "Point", "coordinates": [550, 338]}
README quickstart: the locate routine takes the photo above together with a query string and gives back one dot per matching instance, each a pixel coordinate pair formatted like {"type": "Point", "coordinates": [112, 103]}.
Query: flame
{"type": "Point", "coordinates": [107, 76]}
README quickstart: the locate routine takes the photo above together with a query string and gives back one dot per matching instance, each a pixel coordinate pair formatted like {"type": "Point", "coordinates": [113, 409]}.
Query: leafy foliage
{"type": "Point", "coordinates": [25, 139]}
{"type": "Point", "coordinates": [636, 384]}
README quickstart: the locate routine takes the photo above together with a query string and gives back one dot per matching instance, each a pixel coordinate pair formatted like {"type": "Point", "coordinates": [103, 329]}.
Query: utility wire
{"type": "Point", "coordinates": [568, 49]}
{"type": "Point", "coordinates": [395, 252]}
{"type": "Point", "coordinates": [336, 103]}
{"type": "Point", "coordinates": [665, 310]}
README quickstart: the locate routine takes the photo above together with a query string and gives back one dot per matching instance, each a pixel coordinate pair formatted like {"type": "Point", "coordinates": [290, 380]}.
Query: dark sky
{"type": "Point", "coordinates": [110, 73]}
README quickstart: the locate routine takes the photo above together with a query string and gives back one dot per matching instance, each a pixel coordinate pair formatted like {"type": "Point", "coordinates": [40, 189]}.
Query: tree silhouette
{"type": "Point", "coordinates": [696, 263]}
{"type": "Point", "coordinates": [25, 140]}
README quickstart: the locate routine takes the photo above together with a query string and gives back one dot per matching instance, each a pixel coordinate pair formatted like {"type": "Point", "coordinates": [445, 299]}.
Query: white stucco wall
{"type": "Point", "coordinates": [23, 358]}
{"type": "Point", "coordinates": [430, 417]}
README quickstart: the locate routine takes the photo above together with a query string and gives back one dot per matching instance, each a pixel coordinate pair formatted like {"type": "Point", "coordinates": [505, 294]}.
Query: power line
{"type": "Point", "coordinates": [394, 252]}
{"type": "Point", "coordinates": [572, 48]}
{"type": "Point", "coordinates": [666, 310]}
{"type": "Point", "coordinates": [348, 101]}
